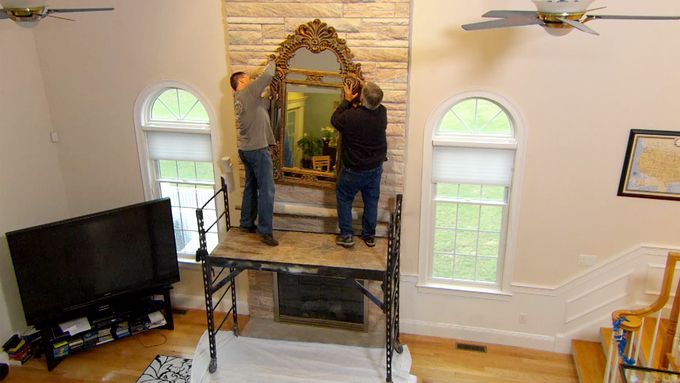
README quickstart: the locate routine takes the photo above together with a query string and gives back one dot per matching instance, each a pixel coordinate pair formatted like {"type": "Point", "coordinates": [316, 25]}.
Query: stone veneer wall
{"type": "Point", "coordinates": [377, 33]}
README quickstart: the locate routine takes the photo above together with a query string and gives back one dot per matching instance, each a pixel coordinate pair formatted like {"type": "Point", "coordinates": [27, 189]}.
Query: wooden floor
{"type": "Point", "coordinates": [435, 360]}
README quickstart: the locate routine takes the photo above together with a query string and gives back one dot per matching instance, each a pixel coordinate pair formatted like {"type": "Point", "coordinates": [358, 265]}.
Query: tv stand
{"type": "Point", "coordinates": [125, 316]}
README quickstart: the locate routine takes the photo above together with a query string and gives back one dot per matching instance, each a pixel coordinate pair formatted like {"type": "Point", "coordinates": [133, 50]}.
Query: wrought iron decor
{"type": "Point", "coordinates": [651, 168]}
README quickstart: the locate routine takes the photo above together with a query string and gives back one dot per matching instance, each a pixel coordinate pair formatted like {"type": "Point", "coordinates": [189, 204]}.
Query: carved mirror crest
{"type": "Point", "coordinates": [311, 67]}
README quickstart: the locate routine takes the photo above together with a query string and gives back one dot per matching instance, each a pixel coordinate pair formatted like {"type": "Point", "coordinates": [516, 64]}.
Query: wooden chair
{"type": "Point", "coordinates": [321, 163]}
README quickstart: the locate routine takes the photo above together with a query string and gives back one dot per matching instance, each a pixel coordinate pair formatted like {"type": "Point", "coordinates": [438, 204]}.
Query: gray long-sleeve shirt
{"type": "Point", "coordinates": [252, 116]}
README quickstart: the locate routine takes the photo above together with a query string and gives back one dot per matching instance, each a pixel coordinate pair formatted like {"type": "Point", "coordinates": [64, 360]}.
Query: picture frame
{"type": "Point", "coordinates": [651, 167]}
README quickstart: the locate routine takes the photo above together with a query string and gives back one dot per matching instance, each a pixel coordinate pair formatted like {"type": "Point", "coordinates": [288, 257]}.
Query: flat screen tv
{"type": "Point", "coordinates": [68, 266]}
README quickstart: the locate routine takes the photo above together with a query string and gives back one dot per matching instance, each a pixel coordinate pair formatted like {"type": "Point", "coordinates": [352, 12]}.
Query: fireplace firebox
{"type": "Point", "coordinates": [322, 301]}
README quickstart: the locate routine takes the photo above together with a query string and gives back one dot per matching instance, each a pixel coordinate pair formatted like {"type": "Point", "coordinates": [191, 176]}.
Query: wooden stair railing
{"type": "Point", "coordinates": [629, 325]}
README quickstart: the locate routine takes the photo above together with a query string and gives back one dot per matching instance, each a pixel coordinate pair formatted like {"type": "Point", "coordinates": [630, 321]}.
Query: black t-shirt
{"type": "Point", "coordinates": [364, 141]}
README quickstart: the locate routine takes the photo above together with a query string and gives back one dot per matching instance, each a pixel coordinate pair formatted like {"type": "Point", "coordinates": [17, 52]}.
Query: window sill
{"type": "Point", "coordinates": [188, 262]}
{"type": "Point", "coordinates": [463, 291]}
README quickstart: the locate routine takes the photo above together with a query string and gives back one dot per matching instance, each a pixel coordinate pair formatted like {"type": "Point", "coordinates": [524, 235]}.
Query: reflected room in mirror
{"type": "Point", "coordinates": [312, 66]}
{"type": "Point", "coordinates": [310, 142]}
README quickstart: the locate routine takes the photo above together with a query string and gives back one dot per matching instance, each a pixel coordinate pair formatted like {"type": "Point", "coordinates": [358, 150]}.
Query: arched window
{"type": "Point", "coordinates": [175, 146]}
{"type": "Point", "coordinates": [467, 196]}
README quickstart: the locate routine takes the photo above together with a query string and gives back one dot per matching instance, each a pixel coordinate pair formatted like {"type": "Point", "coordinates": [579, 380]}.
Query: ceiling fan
{"type": "Point", "coordinates": [553, 14]}
{"type": "Point", "coordinates": [36, 13]}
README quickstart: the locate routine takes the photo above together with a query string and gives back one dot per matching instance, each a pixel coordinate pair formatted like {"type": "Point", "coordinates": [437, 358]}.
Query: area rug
{"type": "Point", "coordinates": [252, 360]}
{"type": "Point", "coordinates": [167, 369]}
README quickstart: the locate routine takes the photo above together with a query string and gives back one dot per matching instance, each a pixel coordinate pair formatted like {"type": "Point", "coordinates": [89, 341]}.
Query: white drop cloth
{"type": "Point", "coordinates": [254, 360]}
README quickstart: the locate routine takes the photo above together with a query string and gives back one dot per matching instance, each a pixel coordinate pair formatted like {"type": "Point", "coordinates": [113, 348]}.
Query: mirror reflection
{"type": "Point", "coordinates": [312, 66]}
{"type": "Point", "coordinates": [310, 142]}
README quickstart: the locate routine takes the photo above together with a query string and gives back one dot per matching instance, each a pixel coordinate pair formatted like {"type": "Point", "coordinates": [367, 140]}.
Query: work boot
{"type": "Point", "coordinates": [344, 240]}
{"type": "Point", "coordinates": [246, 229]}
{"type": "Point", "coordinates": [369, 241]}
{"type": "Point", "coordinates": [269, 240]}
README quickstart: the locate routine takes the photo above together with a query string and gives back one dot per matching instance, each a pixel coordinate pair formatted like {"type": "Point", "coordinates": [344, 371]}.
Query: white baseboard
{"type": "Point", "coordinates": [477, 334]}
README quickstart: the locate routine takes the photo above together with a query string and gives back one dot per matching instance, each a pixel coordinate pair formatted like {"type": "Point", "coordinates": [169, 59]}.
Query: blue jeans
{"type": "Point", "coordinates": [258, 192]}
{"type": "Point", "coordinates": [350, 182]}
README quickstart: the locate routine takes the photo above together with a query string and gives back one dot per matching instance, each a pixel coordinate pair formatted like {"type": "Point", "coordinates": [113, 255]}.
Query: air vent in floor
{"type": "Point", "coordinates": [470, 347]}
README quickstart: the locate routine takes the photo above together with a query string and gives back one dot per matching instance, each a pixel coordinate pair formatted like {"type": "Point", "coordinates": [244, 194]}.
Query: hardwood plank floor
{"type": "Point", "coordinates": [435, 360]}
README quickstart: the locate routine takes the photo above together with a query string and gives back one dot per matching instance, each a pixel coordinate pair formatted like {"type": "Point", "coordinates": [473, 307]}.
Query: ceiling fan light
{"type": "Point", "coordinates": [558, 31]}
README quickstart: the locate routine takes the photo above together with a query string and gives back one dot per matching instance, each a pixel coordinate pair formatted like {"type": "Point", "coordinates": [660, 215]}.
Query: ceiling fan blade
{"type": "Point", "coordinates": [626, 17]}
{"type": "Point", "coordinates": [578, 25]}
{"type": "Point", "coordinates": [507, 22]}
{"type": "Point", "coordinates": [500, 23]}
{"type": "Point", "coordinates": [60, 17]}
{"type": "Point", "coordinates": [506, 14]}
{"type": "Point", "coordinates": [69, 10]}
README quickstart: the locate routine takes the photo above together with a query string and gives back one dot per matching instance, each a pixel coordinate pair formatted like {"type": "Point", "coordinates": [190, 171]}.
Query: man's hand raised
{"type": "Point", "coordinates": [349, 94]}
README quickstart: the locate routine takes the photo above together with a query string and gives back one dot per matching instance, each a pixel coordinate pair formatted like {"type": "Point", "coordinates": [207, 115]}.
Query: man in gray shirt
{"type": "Point", "coordinates": [255, 136]}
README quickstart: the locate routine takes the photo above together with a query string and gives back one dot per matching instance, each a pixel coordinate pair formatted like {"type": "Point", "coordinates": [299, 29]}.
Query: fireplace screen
{"type": "Point", "coordinates": [319, 300]}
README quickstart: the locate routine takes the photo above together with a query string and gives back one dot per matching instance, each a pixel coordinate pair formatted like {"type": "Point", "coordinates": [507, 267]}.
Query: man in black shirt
{"type": "Point", "coordinates": [364, 149]}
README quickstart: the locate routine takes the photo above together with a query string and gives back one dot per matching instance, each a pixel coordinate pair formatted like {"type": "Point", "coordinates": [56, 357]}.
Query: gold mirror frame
{"type": "Point", "coordinates": [317, 37]}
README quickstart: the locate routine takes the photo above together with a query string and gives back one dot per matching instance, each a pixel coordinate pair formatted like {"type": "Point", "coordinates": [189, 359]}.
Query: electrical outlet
{"type": "Point", "coordinates": [587, 260]}
{"type": "Point", "coordinates": [54, 136]}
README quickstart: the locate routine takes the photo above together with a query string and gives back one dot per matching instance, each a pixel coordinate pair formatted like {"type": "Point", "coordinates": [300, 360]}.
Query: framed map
{"type": "Point", "coordinates": [651, 168]}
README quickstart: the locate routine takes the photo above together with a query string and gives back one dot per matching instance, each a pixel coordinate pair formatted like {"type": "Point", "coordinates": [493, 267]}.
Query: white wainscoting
{"type": "Point", "coordinates": [553, 315]}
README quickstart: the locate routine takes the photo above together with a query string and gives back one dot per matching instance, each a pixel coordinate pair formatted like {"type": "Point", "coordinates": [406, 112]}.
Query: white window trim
{"type": "Point", "coordinates": [425, 282]}
{"type": "Point", "coordinates": [145, 166]}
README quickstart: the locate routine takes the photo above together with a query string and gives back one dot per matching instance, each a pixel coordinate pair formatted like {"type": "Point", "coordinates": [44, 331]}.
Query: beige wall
{"type": "Point", "coordinates": [31, 188]}
{"type": "Point", "coordinates": [579, 95]}
{"type": "Point", "coordinates": [96, 67]}
{"type": "Point", "coordinates": [93, 71]}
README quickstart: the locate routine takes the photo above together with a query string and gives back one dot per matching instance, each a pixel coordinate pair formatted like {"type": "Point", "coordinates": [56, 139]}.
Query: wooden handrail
{"type": "Point", "coordinates": [661, 301]}
{"type": "Point", "coordinates": [634, 317]}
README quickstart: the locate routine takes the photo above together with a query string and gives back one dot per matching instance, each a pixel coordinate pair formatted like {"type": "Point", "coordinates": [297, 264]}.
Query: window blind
{"type": "Point", "coordinates": [472, 165]}
{"type": "Point", "coordinates": [179, 146]}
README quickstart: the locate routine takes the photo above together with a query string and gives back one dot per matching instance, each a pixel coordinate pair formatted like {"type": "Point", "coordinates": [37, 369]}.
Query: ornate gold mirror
{"type": "Point", "coordinates": [311, 67]}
